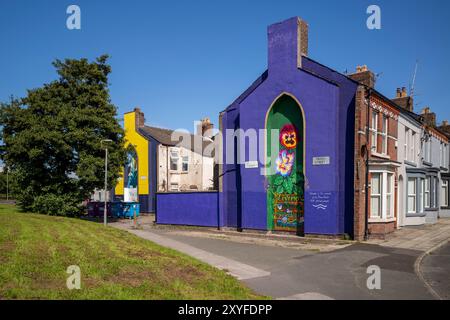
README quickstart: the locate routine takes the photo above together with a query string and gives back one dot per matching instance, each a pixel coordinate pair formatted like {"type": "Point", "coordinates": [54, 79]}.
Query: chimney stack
{"type": "Point", "coordinates": [445, 127]}
{"type": "Point", "coordinates": [204, 127]}
{"type": "Point", "coordinates": [140, 119]}
{"type": "Point", "coordinates": [364, 76]}
{"type": "Point", "coordinates": [288, 42]}
{"type": "Point", "coordinates": [403, 99]}
{"type": "Point", "coordinates": [429, 118]}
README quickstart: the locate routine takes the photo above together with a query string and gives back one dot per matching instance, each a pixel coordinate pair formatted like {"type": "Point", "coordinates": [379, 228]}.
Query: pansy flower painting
{"type": "Point", "coordinates": [285, 163]}
{"type": "Point", "coordinates": [289, 136]}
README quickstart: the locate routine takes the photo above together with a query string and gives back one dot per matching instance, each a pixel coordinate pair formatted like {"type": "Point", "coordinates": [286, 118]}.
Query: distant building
{"type": "Point", "coordinates": [163, 160]}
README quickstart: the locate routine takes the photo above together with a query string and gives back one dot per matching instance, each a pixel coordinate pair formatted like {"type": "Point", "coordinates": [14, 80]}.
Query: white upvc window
{"type": "Point", "coordinates": [427, 150]}
{"type": "Point", "coordinates": [374, 130]}
{"type": "Point", "coordinates": [412, 156]}
{"type": "Point", "coordinates": [422, 195]}
{"type": "Point", "coordinates": [375, 195]}
{"type": "Point", "coordinates": [444, 156]}
{"type": "Point", "coordinates": [390, 196]}
{"type": "Point", "coordinates": [384, 135]}
{"type": "Point", "coordinates": [427, 192]}
{"type": "Point", "coordinates": [434, 192]}
{"type": "Point", "coordinates": [412, 194]}
{"type": "Point", "coordinates": [444, 194]}
{"type": "Point", "coordinates": [174, 157]}
{"type": "Point", "coordinates": [185, 164]}
{"type": "Point", "coordinates": [382, 195]}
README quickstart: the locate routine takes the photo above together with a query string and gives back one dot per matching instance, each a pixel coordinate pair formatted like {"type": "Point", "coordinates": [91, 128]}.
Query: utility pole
{"type": "Point", "coordinates": [105, 216]}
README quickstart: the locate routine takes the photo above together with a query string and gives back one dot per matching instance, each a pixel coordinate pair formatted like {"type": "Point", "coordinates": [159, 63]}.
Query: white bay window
{"type": "Point", "coordinates": [444, 193]}
{"type": "Point", "coordinates": [382, 196]}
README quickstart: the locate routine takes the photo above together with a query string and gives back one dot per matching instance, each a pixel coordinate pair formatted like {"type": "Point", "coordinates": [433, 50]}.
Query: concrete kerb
{"type": "Point", "coordinates": [417, 268]}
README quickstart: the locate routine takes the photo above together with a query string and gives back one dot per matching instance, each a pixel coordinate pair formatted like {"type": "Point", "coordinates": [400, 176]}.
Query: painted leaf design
{"type": "Point", "coordinates": [280, 189]}
{"type": "Point", "coordinates": [278, 180]}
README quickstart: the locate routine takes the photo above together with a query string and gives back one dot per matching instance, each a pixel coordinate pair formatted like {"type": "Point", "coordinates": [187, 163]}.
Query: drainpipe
{"type": "Point", "coordinates": [366, 209]}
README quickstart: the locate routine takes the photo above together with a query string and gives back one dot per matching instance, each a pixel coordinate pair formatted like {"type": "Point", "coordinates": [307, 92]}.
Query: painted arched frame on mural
{"type": "Point", "coordinates": [286, 179]}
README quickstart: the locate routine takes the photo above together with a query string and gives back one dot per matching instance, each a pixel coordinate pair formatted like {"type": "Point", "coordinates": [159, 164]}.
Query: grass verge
{"type": "Point", "coordinates": [36, 250]}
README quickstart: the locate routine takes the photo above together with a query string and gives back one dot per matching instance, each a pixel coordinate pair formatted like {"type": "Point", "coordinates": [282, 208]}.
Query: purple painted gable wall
{"type": "Point", "coordinates": [327, 99]}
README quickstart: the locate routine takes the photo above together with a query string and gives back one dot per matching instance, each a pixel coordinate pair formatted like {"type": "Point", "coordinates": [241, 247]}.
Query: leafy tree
{"type": "Point", "coordinates": [52, 138]}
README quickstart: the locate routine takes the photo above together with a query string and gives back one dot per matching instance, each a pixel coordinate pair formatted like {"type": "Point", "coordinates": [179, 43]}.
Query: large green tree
{"type": "Point", "coordinates": [52, 138]}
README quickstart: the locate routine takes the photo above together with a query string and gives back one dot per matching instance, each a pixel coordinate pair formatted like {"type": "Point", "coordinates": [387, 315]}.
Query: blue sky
{"type": "Point", "coordinates": [183, 60]}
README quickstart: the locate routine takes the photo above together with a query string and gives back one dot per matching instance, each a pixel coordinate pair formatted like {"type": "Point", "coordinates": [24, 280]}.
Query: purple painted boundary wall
{"type": "Point", "coordinates": [189, 209]}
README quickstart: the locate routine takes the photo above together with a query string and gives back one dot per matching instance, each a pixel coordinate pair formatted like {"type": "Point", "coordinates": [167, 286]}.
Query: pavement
{"type": "Point", "coordinates": [435, 271]}
{"type": "Point", "coordinates": [295, 268]}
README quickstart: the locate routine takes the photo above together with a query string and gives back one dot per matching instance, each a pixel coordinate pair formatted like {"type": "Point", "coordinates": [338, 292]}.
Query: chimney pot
{"type": "Point", "coordinates": [429, 118]}
{"type": "Point", "coordinates": [364, 76]}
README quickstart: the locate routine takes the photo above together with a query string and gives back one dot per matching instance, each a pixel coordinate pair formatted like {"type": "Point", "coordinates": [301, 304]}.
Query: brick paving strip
{"type": "Point", "coordinates": [421, 238]}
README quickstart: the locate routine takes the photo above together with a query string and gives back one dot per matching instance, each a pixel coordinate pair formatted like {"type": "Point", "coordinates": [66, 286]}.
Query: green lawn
{"type": "Point", "coordinates": [35, 251]}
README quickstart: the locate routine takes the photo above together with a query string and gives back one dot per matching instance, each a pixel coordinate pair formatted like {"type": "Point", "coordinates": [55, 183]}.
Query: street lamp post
{"type": "Point", "coordinates": [7, 184]}
{"type": "Point", "coordinates": [106, 181]}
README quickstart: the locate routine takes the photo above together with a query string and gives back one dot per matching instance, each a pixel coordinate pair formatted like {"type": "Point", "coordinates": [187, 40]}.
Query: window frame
{"type": "Point", "coordinates": [445, 193]}
{"type": "Point", "coordinates": [427, 193]}
{"type": "Point", "coordinates": [185, 161]}
{"type": "Point", "coordinates": [413, 195]}
{"type": "Point", "coordinates": [385, 197]}
{"type": "Point", "coordinates": [374, 131]}
{"type": "Point", "coordinates": [384, 134]}
{"type": "Point", "coordinates": [379, 195]}
{"type": "Point", "coordinates": [406, 146]}
{"type": "Point", "coordinates": [173, 151]}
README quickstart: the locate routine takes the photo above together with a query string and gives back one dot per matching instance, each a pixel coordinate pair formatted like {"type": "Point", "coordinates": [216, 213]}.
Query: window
{"type": "Point", "coordinates": [382, 195]}
{"type": "Point", "coordinates": [443, 151]}
{"type": "Point", "coordinates": [185, 164]}
{"type": "Point", "coordinates": [384, 134]}
{"type": "Point", "coordinates": [412, 194]}
{"type": "Point", "coordinates": [412, 156]}
{"type": "Point", "coordinates": [390, 196]}
{"type": "Point", "coordinates": [375, 197]}
{"type": "Point", "coordinates": [406, 149]}
{"type": "Point", "coordinates": [174, 160]}
{"type": "Point", "coordinates": [427, 150]}
{"type": "Point", "coordinates": [174, 186]}
{"type": "Point", "coordinates": [374, 130]}
{"type": "Point", "coordinates": [434, 192]}
{"type": "Point", "coordinates": [427, 192]}
{"type": "Point", "coordinates": [444, 194]}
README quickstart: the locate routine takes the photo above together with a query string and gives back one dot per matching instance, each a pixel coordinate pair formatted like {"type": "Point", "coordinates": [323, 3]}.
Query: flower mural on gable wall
{"type": "Point", "coordinates": [289, 136]}
{"type": "Point", "coordinates": [285, 163]}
